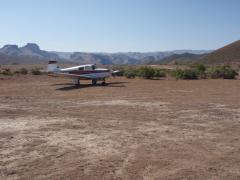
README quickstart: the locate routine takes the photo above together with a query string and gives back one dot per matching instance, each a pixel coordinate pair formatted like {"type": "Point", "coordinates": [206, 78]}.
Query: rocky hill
{"type": "Point", "coordinates": [30, 50]}
{"type": "Point", "coordinates": [229, 54]}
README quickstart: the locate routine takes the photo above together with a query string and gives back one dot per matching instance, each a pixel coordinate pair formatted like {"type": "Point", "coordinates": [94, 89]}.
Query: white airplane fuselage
{"type": "Point", "coordinates": [77, 73]}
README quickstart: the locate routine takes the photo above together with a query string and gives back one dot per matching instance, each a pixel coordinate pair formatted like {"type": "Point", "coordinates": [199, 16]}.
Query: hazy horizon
{"type": "Point", "coordinates": [120, 26]}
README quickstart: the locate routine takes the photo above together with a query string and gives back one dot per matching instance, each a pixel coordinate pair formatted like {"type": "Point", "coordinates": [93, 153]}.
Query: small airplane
{"type": "Point", "coordinates": [82, 72]}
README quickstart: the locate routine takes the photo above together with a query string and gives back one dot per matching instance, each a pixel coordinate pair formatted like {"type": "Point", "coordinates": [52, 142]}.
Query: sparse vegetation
{"type": "Point", "coordinates": [7, 72]}
{"type": "Point", "coordinates": [23, 71]}
{"type": "Point", "coordinates": [200, 70]}
{"type": "Point", "coordinates": [36, 71]}
{"type": "Point", "coordinates": [221, 71]}
{"type": "Point", "coordinates": [130, 73]}
{"type": "Point", "coordinates": [146, 72]}
{"type": "Point", "coordinates": [184, 74]}
{"type": "Point", "coordinates": [159, 73]}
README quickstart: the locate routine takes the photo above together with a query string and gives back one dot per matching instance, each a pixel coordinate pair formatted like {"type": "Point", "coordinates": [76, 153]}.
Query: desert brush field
{"type": "Point", "coordinates": [128, 129]}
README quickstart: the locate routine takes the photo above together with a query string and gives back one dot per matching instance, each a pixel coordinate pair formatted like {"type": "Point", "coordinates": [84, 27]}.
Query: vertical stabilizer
{"type": "Point", "coordinates": [52, 66]}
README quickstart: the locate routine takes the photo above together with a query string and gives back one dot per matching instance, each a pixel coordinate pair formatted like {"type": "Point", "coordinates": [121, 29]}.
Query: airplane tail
{"type": "Point", "coordinates": [52, 66]}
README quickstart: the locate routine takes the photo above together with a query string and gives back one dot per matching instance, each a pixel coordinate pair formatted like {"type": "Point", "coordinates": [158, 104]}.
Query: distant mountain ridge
{"type": "Point", "coordinates": [31, 53]}
{"type": "Point", "coordinates": [184, 58]}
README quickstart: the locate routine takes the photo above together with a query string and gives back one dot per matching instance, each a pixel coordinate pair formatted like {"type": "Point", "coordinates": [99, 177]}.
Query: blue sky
{"type": "Point", "coordinates": [120, 25]}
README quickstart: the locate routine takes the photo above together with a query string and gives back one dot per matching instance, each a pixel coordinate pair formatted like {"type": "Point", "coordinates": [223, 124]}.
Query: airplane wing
{"type": "Point", "coordinates": [68, 75]}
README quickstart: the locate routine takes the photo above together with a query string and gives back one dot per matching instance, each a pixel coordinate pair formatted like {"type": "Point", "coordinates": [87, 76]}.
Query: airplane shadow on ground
{"type": "Point", "coordinates": [73, 87]}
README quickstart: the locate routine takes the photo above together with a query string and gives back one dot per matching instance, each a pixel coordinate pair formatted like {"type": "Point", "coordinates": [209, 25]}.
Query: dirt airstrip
{"type": "Point", "coordinates": [129, 129]}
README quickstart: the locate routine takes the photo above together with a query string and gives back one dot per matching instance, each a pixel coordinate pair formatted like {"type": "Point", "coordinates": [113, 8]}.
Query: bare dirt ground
{"type": "Point", "coordinates": [129, 129]}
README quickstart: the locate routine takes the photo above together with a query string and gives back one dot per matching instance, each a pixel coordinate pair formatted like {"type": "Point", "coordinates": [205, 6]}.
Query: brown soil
{"type": "Point", "coordinates": [129, 129]}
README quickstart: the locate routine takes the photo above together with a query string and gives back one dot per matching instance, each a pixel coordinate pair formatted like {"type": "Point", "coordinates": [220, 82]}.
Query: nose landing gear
{"type": "Point", "coordinates": [94, 82]}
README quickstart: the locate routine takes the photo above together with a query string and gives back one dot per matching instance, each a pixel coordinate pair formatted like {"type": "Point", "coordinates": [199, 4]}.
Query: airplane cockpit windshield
{"type": "Point", "coordinates": [90, 67]}
{"type": "Point", "coordinates": [93, 67]}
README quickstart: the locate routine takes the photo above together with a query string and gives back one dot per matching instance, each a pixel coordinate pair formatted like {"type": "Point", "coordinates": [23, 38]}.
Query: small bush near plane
{"type": "Point", "coordinates": [130, 73]}
{"type": "Point", "coordinates": [22, 71]}
{"type": "Point", "coordinates": [144, 72]}
{"type": "Point", "coordinates": [36, 71]}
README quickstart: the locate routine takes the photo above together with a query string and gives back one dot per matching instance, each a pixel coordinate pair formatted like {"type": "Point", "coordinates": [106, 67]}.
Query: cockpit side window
{"type": "Point", "coordinates": [81, 68]}
{"type": "Point", "coordinates": [88, 68]}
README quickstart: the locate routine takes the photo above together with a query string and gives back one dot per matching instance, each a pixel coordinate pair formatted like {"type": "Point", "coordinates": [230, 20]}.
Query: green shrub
{"type": "Point", "coordinates": [17, 72]}
{"type": "Point", "coordinates": [200, 67]}
{"type": "Point", "coordinates": [146, 72]}
{"type": "Point", "coordinates": [184, 74]}
{"type": "Point", "coordinates": [36, 71]}
{"type": "Point", "coordinates": [222, 71]}
{"type": "Point", "coordinates": [201, 71]}
{"type": "Point", "coordinates": [23, 71]}
{"type": "Point", "coordinates": [130, 73]}
{"type": "Point", "coordinates": [7, 72]}
{"type": "Point", "coordinates": [190, 74]}
{"type": "Point", "coordinates": [214, 73]}
{"type": "Point", "coordinates": [177, 73]}
{"type": "Point", "coordinates": [159, 73]}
